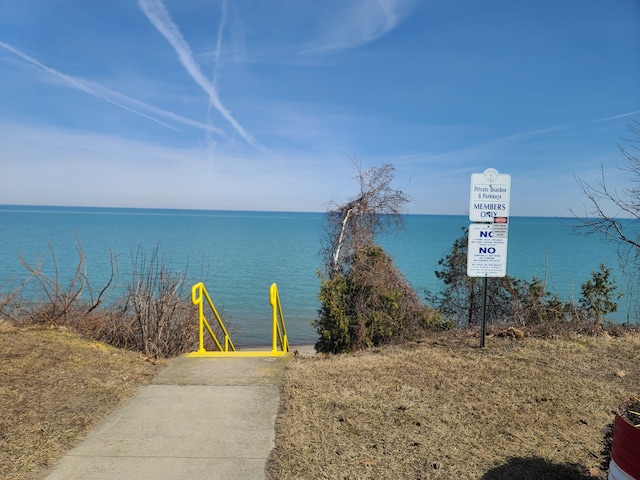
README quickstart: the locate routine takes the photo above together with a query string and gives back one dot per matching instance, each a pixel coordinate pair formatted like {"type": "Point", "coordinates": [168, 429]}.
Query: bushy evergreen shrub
{"type": "Point", "coordinates": [369, 304]}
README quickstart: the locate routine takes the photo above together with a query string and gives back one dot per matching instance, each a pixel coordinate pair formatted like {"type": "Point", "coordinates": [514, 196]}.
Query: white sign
{"type": "Point", "coordinates": [490, 193]}
{"type": "Point", "coordinates": [487, 250]}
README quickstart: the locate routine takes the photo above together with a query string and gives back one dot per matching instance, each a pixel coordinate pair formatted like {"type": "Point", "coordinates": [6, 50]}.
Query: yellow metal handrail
{"type": "Point", "coordinates": [277, 318]}
{"type": "Point", "coordinates": [199, 295]}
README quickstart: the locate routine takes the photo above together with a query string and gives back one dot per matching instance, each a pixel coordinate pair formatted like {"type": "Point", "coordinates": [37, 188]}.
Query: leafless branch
{"type": "Point", "coordinates": [354, 224]}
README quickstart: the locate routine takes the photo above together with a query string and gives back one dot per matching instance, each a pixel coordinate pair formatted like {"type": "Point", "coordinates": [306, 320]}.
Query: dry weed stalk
{"type": "Point", "coordinates": [52, 302]}
{"type": "Point", "coordinates": [161, 318]}
{"type": "Point", "coordinates": [153, 316]}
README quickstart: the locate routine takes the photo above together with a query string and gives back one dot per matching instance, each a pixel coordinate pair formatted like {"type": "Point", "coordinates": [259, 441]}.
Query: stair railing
{"type": "Point", "coordinates": [199, 296]}
{"type": "Point", "coordinates": [279, 329]}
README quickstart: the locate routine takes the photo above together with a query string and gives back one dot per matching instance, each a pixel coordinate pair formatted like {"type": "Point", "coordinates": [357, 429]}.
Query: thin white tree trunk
{"type": "Point", "coordinates": [336, 255]}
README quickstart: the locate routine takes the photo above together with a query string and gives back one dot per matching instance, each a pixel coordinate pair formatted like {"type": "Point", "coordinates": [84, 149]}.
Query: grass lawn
{"type": "Point", "coordinates": [445, 409]}
{"type": "Point", "coordinates": [441, 408]}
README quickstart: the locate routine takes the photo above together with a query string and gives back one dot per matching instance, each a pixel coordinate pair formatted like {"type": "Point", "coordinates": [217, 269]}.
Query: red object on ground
{"type": "Point", "coordinates": [625, 448]}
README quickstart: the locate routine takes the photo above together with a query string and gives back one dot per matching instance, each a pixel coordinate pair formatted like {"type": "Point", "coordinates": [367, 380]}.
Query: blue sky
{"type": "Point", "coordinates": [261, 105]}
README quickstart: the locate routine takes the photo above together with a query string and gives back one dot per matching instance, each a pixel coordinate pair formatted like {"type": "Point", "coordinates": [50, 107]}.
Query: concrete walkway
{"type": "Point", "coordinates": [201, 418]}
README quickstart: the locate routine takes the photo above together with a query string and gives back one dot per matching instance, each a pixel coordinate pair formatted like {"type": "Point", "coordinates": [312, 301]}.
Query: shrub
{"type": "Point", "coordinates": [598, 294]}
{"type": "Point", "coordinates": [370, 304]}
{"type": "Point", "coordinates": [154, 315]}
{"type": "Point", "coordinates": [156, 308]}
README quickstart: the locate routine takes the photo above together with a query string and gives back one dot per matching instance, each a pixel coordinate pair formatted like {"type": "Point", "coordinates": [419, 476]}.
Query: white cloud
{"type": "Point", "coordinates": [353, 23]}
{"type": "Point", "coordinates": [53, 166]}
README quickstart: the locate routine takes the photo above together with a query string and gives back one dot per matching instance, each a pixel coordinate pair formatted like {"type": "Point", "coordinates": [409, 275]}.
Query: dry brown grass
{"type": "Point", "coordinates": [54, 387]}
{"type": "Point", "coordinates": [520, 408]}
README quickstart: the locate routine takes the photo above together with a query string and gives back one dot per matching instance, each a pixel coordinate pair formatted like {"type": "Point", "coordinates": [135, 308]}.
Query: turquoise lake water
{"type": "Point", "coordinates": [240, 254]}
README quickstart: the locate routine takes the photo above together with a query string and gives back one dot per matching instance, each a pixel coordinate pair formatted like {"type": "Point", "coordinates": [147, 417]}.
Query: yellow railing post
{"type": "Point", "coordinates": [196, 299]}
{"type": "Point", "coordinates": [279, 329]}
{"type": "Point", "coordinates": [273, 295]}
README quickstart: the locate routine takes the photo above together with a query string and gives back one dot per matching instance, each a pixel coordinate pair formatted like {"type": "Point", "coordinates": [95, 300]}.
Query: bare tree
{"type": "Point", "coordinates": [364, 299]}
{"type": "Point", "coordinates": [606, 207]}
{"type": "Point", "coordinates": [354, 224]}
{"type": "Point", "coordinates": [615, 213]}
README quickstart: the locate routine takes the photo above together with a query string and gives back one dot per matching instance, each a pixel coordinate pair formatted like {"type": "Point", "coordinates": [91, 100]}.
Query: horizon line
{"type": "Point", "coordinates": [30, 207]}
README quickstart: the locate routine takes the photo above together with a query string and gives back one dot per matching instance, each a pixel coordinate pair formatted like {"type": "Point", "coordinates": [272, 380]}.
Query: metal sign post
{"type": "Point", "coordinates": [487, 242]}
{"type": "Point", "coordinates": [483, 325]}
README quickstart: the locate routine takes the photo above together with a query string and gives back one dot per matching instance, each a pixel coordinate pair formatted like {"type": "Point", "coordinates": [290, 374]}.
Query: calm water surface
{"type": "Point", "coordinates": [240, 254]}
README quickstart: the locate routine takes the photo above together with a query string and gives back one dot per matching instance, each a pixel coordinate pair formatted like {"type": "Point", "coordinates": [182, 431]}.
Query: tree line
{"type": "Point", "coordinates": [365, 300]}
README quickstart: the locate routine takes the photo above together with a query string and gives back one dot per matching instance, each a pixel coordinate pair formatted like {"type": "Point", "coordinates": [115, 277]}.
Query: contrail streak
{"type": "Point", "coordinates": [600, 120]}
{"type": "Point", "coordinates": [127, 103]}
{"type": "Point", "coordinates": [216, 63]}
{"type": "Point", "coordinates": [158, 15]}
{"type": "Point", "coordinates": [223, 23]}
